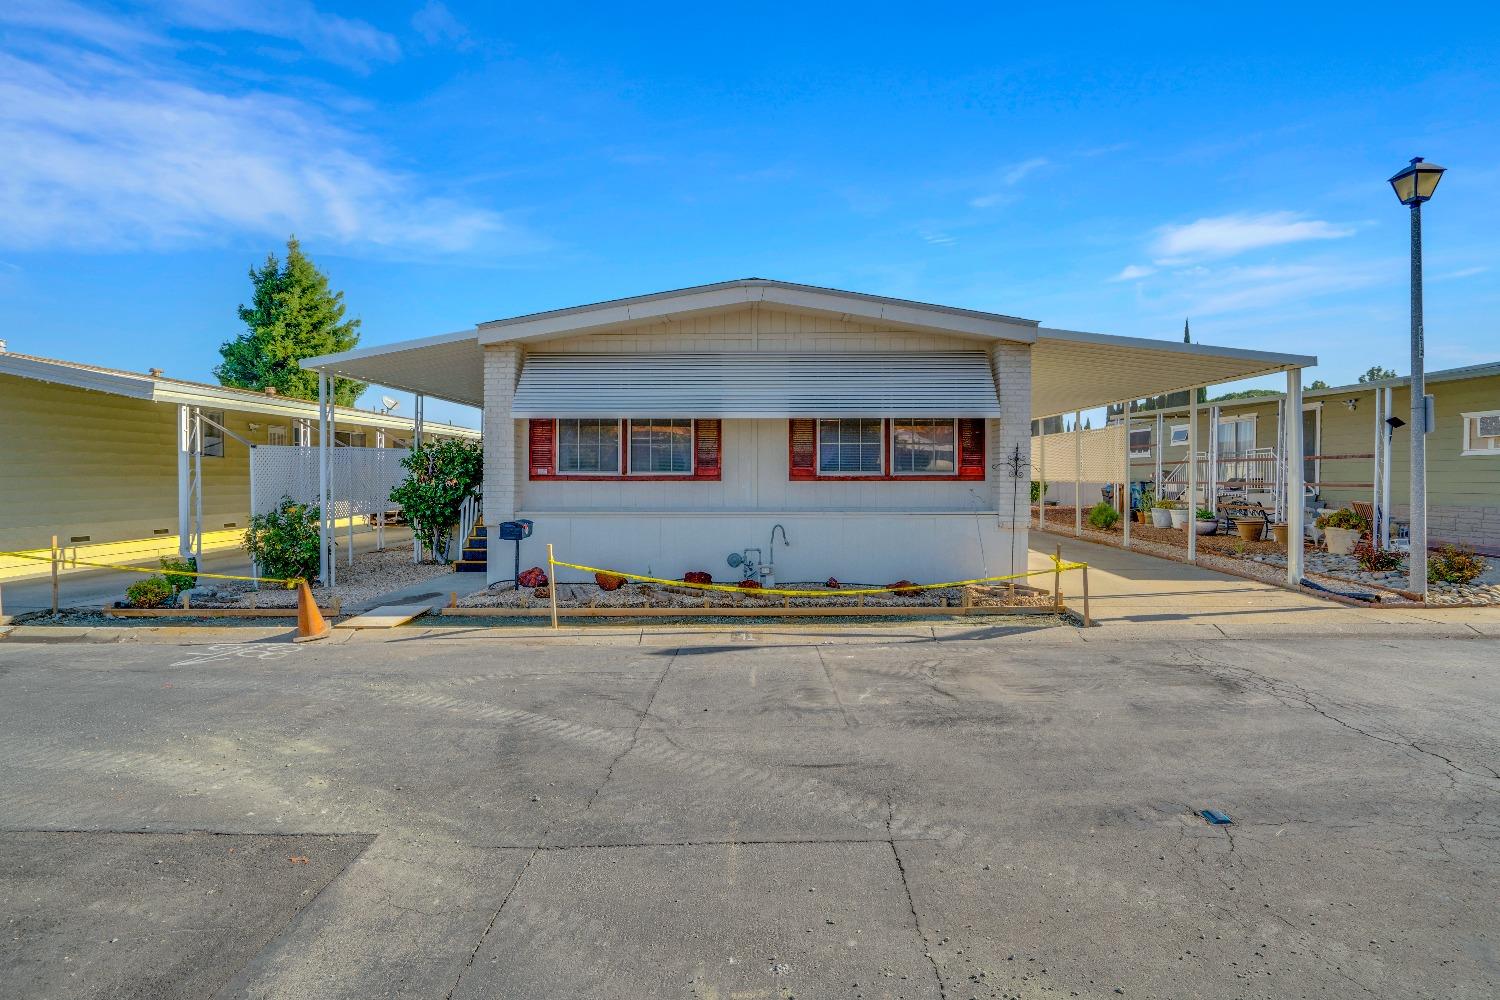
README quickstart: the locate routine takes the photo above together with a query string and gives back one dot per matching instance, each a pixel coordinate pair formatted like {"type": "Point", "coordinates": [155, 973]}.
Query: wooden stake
{"type": "Point", "coordinates": [552, 579]}
{"type": "Point", "coordinates": [54, 574]}
{"type": "Point", "coordinates": [1087, 621]}
{"type": "Point", "coordinates": [1057, 580]}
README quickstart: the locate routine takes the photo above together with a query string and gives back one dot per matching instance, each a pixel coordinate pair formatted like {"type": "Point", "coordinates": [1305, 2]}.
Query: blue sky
{"type": "Point", "coordinates": [448, 164]}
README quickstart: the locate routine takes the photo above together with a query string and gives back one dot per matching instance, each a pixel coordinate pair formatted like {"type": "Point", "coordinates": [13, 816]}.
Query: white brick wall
{"type": "Point", "coordinates": [502, 457]}
{"type": "Point", "coordinates": [1011, 364]}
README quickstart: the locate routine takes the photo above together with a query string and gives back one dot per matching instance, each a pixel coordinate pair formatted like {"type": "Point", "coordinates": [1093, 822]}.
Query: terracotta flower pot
{"type": "Point", "coordinates": [1278, 532]}
{"type": "Point", "coordinates": [1250, 528]}
{"type": "Point", "coordinates": [1143, 516]}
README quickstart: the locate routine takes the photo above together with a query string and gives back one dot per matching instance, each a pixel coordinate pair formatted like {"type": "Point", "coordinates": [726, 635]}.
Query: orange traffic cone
{"type": "Point", "coordinates": [310, 623]}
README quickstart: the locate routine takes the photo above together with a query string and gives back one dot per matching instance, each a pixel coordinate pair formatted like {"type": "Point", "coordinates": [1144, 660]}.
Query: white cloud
{"type": "Point", "coordinates": [1227, 235]}
{"type": "Point", "coordinates": [1238, 288]}
{"type": "Point", "coordinates": [1010, 177]}
{"type": "Point", "coordinates": [78, 22]}
{"type": "Point", "coordinates": [437, 25]}
{"type": "Point", "coordinates": [1017, 173]}
{"type": "Point", "coordinates": [1134, 271]}
{"type": "Point", "coordinates": [1465, 272]}
{"type": "Point", "coordinates": [106, 154]}
{"type": "Point", "coordinates": [345, 41]}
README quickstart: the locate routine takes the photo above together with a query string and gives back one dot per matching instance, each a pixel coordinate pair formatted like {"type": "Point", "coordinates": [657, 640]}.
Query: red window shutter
{"type": "Point", "coordinates": [971, 449]}
{"type": "Point", "coordinates": [802, 449]}
{"type": "Point", "coordinates": [542, 450]}
{"type": "Point", "coordinates": [707, 450]}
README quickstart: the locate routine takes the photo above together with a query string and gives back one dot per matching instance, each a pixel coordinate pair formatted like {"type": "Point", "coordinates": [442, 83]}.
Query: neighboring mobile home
{"type": "Point", "coordinates": [885, 438]}
{"type": "Point", "coordinates": [90, 455]}
{"type": "Point", "coordinates": [1340, 436]}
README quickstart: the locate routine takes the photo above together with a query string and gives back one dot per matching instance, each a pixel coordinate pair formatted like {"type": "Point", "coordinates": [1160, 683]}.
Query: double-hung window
{"type": "Point", "coordinates": [213, 438]}
{"type": "Point", "coordinates": [924, 447]}
{"type": "Point", "coordinates": [588, 447]}
{"type": "Point", "coordinates": [851, 447]}
{"type": "Point", "coordinates": [661, 447]}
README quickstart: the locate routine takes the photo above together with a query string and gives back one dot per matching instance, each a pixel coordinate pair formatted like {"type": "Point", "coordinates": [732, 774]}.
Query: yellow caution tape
{"type": "Point", "coordinates": [289, 581]}
{"type": "Point", "coordinates": [1058, 567]}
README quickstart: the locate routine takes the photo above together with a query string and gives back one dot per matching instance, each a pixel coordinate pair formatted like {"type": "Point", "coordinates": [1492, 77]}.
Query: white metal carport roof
{"type": "Point", "coordinates": [1070, 370]}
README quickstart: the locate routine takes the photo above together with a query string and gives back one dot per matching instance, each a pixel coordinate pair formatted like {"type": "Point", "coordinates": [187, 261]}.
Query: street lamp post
{"type": "Point", "coordinates": [1414, 185]}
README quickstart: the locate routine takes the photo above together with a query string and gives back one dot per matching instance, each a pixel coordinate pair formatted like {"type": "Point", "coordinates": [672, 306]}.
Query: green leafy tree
{"type": "Point", "coordinates": [292, 315]}
{"type": "Point", "coordinates": [1245, 394]}
{"type": "Point", "coordinates": [441, 475]}
{"type": "Point", "coordinates": [1317, 384]}
{"type": "Point", "coordinates": [1377, 374]}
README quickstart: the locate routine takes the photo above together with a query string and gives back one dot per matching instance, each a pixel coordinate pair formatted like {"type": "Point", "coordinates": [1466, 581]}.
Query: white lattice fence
{"type": "Point", "coordinates": [1103, 456]}
{"type": "Point", "coordinates": [361, 479]}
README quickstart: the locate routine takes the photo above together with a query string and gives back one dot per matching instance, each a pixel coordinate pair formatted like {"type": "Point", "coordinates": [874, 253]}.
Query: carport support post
{"type": "Point", "coordinates": [1377, 504]}
{"type": "Point", "coordinates": [1294, 473]}
{"type": "Point", "coordinates": [1124, 486]}
{"type": "Point", "coordinates": [184, 480]}
{"type": "Point", "coordinates": [1385, 467]}
{"type": "Point", "coordinates": [1078, 473]}
{"type": "Point", "coordinates": [418, 405]}
{"type": "Point", "coordinates": [322, 475]}
{"type": "Point", "coordinates": [1041, 490]}
{"type": "Point", "coordinates": [1159, 452]}
{"type": "Point", "coordinates": [1192, 492]}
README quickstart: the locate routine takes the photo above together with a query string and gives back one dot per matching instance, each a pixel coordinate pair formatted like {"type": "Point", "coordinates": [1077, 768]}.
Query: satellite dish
{"type": "Point", "coordinates": [389, 403]}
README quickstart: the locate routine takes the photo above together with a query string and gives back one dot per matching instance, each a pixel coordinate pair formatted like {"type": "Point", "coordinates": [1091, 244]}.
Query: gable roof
{"type": "Point", "coordinates": [725, 295]}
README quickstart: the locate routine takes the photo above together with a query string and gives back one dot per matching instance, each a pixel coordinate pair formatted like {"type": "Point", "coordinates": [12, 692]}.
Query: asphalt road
{"type": "Point", "coordinates": [745, 815]}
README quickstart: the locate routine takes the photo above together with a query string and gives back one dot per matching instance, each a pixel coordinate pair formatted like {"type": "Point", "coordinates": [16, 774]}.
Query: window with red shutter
{"type": "Point", "coordinates": [916, 450]}
{"type": "Point", "coordinates": [541, 449]}
{"type": "Point", "coordinates": [707, 450]}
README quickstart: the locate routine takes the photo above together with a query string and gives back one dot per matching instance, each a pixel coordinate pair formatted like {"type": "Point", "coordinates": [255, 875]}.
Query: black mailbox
{"type": "Point", "coordinates": [514, 531]}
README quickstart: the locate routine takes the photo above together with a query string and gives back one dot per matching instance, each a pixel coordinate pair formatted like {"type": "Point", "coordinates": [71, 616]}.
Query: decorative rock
{"type": "Point", "coordinates": [833, 583]}
{"type": "Point", "coordinates": [608, 581]}
{"type": "Point", "coordinates": [533, 577]}
{"type": "Point", "coordinates": [697, 576]}
{"type": "Point", "coordinates": [749, 585]}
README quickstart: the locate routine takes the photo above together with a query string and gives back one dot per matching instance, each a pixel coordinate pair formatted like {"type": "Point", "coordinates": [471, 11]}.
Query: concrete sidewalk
{"type": "Point", "coordinates": [94, 588]}
{"type": "Point", "coordinates": [1127, 587]}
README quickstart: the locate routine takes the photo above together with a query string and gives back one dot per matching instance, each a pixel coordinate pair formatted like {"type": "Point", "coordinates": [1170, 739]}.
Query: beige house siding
{"type": "Point", "coordinates": [95, 467]}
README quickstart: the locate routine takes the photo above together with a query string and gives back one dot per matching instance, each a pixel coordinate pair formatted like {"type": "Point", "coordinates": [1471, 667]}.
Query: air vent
{"type": "Point", "coordinates": [79, 538]}
{"type": "Point", "coordinates": [230, 524]}
{"type": "Point", "coordinates": [161, 531]}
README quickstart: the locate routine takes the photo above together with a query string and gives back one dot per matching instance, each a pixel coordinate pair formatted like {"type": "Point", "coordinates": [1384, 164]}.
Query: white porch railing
{"type": "Point", "coordinates": [468, 516]}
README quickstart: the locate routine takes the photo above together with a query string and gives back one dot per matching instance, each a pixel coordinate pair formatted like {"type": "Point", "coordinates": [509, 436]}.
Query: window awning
{"type": "Point", "coordinates": [907, 384]}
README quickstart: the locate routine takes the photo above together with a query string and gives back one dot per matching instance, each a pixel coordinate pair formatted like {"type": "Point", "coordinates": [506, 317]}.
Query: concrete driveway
{"type": "Point", "coordinates": [751, 814]}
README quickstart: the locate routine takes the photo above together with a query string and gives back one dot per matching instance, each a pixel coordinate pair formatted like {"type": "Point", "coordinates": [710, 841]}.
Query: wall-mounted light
{"type": "Point", "coordinates": [1352, 404]}
{"type": "Point", "coordinates": [254, 427]}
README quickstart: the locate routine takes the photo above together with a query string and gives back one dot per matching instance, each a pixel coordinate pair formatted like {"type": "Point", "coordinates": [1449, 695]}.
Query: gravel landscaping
{"type": "Point", "coordinates": [373, 573]}
{"type": "Point", "coordinates": [647, 595]}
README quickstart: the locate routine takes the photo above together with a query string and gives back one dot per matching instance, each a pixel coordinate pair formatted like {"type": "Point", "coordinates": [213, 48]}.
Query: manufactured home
{"type": "Point", "coordinates": [1345, 439]}
{"type": "Point", "coordinates": [806, 432]}
{"type": "Point", "coordinates": [95, 456]}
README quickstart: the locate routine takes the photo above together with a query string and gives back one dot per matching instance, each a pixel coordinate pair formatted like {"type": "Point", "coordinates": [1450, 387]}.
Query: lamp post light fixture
{"type": "Point", "coordinates": [1414, 185]}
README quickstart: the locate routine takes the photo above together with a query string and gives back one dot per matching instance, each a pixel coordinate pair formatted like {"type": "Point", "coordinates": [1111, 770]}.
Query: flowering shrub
{"type": "Point", "coordinates": [284, 542]}
{"type": "Point", "coordinates": [441, 475]}
{"type": "Point", "coordinates": [1454, 564]}
{"type": "Point", "coordinates": [151, 592]}
{"type": "Point", "coordinates": [1373, 560]}
{"type": "Point", "coordinates": [533, 577]}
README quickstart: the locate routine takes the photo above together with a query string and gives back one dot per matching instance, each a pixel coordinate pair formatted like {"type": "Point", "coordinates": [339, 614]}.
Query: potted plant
{"type": "Point", "coordinates": [1278, 532]}
{"type": "Point", "coordinates": [1208, 523]}
{"type": "Point", "coordinates": [1143, 513]}
{"type": "Point", "coordinates": [1250, 528]}
{"type": "Point", "coordinates": [1161, 513]}
{"type": "Point", "coordinates": [1341, 530]}
{"type": "Point", "coordinates": [1179, 515]}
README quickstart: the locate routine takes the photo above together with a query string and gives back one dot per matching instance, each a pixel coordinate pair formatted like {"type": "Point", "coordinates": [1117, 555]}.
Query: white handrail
{"type": "Point", "coordinates": [468, 517]}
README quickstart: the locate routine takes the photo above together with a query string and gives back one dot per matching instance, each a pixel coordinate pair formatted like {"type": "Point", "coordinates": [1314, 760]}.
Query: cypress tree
{"type": "Point", "coordinates": [292, 315]}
